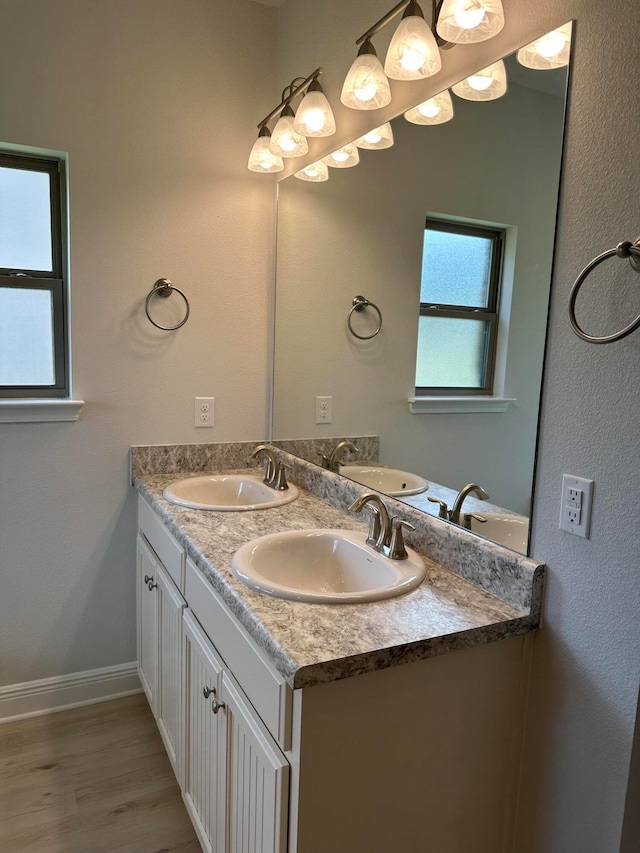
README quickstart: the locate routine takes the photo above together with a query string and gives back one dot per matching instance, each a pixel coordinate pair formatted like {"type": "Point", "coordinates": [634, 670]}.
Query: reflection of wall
{"type": "Point", "coordinates": [361, 232]}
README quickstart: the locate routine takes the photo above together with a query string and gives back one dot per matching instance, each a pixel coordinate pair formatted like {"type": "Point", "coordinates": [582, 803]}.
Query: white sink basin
{"type": "Point", "coordinates": [389, 481]}
{"type": "Point", "coordinates": [226, 493]}
{"type": "Point", "coordinates": [324, 566]}
{"type": "Point", "coordinates": [512, 531]}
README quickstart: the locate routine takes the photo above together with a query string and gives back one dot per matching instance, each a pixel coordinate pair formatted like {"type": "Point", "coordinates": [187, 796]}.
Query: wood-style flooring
{"type": "Point", "coordinates": [90, 780]}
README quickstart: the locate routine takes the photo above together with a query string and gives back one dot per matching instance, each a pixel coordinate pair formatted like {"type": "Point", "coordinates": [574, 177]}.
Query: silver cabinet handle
{"type": "Point", "coordinates": [208, 691]}
{"type": "Point", "coordinates": [216, 706]}
{"type": "Point", "coordinates": [151, 585]}
{"type": "Point", "coordinates": [148, 578]}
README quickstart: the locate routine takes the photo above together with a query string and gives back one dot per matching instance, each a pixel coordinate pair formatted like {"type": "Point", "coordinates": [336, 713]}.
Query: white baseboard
{"type": "Point", "coordinates": [48, 695]}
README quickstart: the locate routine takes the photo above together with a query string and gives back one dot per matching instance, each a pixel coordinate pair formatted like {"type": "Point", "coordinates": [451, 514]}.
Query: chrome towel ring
{"type": "Point", "coordinates": [359, 303]}
{"type": "Point", "coordinates": [622, 250]}
{"type": "Point", "coordinates": [164, 288]}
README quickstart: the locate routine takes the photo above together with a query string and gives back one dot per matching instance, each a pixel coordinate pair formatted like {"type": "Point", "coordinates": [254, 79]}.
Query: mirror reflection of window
{"type": "Point", "coordinates": [459, 306]}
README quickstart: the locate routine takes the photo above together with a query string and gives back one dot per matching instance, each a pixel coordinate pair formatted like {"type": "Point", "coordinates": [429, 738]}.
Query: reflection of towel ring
{"type": "Point", "coordinates": [622, 250]}
{"type": "Point", "coordinates": [359, 304]}
{"type": "Point", "coordinates": [164, 288]}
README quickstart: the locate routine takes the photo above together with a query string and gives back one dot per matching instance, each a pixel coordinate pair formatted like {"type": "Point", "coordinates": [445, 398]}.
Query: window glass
{"type": "Point", "coordinates": [451, 352]}
{"type": "Point", "coordinates": [456, 268]}
{"type": "Point", "coordinates": [26, 337]}
{"type": "Point", "coordinates": [25, 220]}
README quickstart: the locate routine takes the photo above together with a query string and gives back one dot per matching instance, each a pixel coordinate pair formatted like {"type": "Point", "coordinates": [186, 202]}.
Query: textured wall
{"type": "Point", "coordinates": [586, 662]}
{"type": "Point", "coordinates": [149, 98]}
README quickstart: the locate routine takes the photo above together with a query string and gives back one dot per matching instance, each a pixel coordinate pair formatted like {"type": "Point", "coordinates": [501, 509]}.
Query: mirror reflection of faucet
{"type": "Point", "coordinates": [332, 462]}
{"type": "Point", "coordinates": [454, 514]}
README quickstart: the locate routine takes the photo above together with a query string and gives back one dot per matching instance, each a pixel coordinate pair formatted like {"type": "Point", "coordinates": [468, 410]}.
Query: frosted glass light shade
{"type": "Point", "coordinates": [262, 159]}
{"type": "Point", "coordinates": [314, 116]}
{"type": "Point", "coordinates": [366, 86]}
{"type": "Point", "coordinates": [485, 85]}
{"type": "Point", "coordinates": [376, 139]}
{"type": "Point", "coordinates": [413, 53]}
{"type": "Point", "coordinates": [316, 173]}
{"type": "Point", "coordinates": [549, 51]}
{"type": "Point", "coordinates": [435, 110]}
{"type": "Point", "coordinates": [285, 140]}
{"type": "Point", "coordinates": [343, 158]}
{"type": "Point", "coordinates": [468, 21]}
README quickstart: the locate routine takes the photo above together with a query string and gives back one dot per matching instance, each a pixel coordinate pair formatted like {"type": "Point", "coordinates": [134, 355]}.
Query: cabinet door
{"type": "Point", "coordinates": [170, 606]}
{"type": "Point", "coordinates": [201, 670]}
{"type": "Point", "coordinates": [254, 780]}
{"type": "Point", "coordinates": [147, 572]}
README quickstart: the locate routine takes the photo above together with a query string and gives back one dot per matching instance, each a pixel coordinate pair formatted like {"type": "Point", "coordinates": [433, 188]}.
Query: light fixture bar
{"type": "Point", "coordinates": [384, 21]}
{"type": "Point", "coordinates": [294, 92]}
{"type": "Point", "coordinates": [393, 13]}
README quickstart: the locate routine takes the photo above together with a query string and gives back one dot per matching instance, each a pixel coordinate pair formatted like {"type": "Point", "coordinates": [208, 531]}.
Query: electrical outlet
{"type": "Point", "coordinates": [575, 505]}
{"type": "Point", "coordinates": [203, 411]}
{"type": "Point", "coordinates": [324, 410]}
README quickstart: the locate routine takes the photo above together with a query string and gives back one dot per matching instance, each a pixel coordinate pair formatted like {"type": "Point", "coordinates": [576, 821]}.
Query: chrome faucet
{"type": "Point", "coordinates": [385, 533]}
{"type": "Point", "coordinates": [331, 462]}
{"type": "Point", "coordinates": [275, 476]}
{"type": "Point", "coordinates": [454, 514]}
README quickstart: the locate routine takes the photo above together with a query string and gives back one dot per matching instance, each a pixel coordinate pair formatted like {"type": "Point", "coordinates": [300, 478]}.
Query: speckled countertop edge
{"type": "Point", "coordinates": [311, 644]}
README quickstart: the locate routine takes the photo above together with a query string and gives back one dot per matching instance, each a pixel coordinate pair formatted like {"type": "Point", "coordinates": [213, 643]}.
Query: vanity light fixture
{"type": "Point", "coordinates": [377, 139]}
{"type": "Point", "coordinates": [366, 86]}
{"type": "Point", "coordinates": [550, 51]}
{"type": "Point", "coordinates": [343, 158]}
{"type": "Point", "coordinates": [262, 159]}
{"type": "Point", "coordinates": [435, 110]}
{"type": "Point", "coordinates": [485, 85]}
{"type": "Point", "coordinates": [316, 173]}
{"type": "Point", "coordinates": [413, 53]}
{"type": "Point", "coordinates": [469, 21]}
{"type": "Point", "coordinates": [287, 140]}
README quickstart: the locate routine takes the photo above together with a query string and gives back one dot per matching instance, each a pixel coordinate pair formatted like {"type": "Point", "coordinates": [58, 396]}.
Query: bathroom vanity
{"type": "Point", "coordinates": [312, 728]}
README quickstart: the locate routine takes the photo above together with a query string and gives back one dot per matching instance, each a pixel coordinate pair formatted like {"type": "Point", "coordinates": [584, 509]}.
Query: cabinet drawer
{"type": "Point", "coordinates": [267, 690]}
{"type": "Point", "coordinates": [170, 554]}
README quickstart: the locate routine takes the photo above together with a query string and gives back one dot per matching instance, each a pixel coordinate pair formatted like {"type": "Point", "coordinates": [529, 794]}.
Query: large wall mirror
{"type": "Point", "coordinates": [495, 165]}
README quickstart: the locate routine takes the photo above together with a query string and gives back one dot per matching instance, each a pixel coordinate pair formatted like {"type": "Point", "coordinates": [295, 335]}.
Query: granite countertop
{"type": "Point", "coordinates": [314, 643]}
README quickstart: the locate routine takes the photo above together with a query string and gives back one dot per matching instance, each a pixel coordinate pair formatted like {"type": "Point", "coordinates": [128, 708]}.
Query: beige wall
{"type": "Point", "coordinates": [157, 110]}
{"type": "Point", "coordinates": [586, 663]}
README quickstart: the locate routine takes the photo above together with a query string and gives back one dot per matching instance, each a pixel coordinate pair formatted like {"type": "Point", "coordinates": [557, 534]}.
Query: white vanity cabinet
{"type": "Point", "coordinates": [417, 757]}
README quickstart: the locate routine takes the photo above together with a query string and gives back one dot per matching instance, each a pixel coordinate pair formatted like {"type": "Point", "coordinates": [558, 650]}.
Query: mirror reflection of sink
{"type": "Point", "coordinates": [389, 481]}
{"type": "Point", "coordinates": [512, 531]}
{"type": "Point", "coordinates": [325, 567]}
{"type": "Point", "coordinates": [227, 493]}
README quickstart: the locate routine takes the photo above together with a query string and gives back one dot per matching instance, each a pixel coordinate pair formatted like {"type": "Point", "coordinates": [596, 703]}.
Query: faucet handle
{"type": "Point", "coordinates": [397, 550]}
{"type": "Point", "coordinates": [280, 478]}
{"type": "Point", "coordinates": [467, 516]}
{"type": "Point", "coordinates": [324, 459]}
{"type": "Point", "coordinates": [443, 511]}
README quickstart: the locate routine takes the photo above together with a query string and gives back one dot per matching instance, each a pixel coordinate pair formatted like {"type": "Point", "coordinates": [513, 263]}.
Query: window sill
{"type": "Point", "coordinates": [39, 411]}
{"type": "Point", "coordinates": [448, 405]}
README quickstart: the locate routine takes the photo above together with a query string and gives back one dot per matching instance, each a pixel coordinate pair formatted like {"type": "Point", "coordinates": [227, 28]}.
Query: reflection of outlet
{"type": "Point", "coordinates": [203, 411]}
